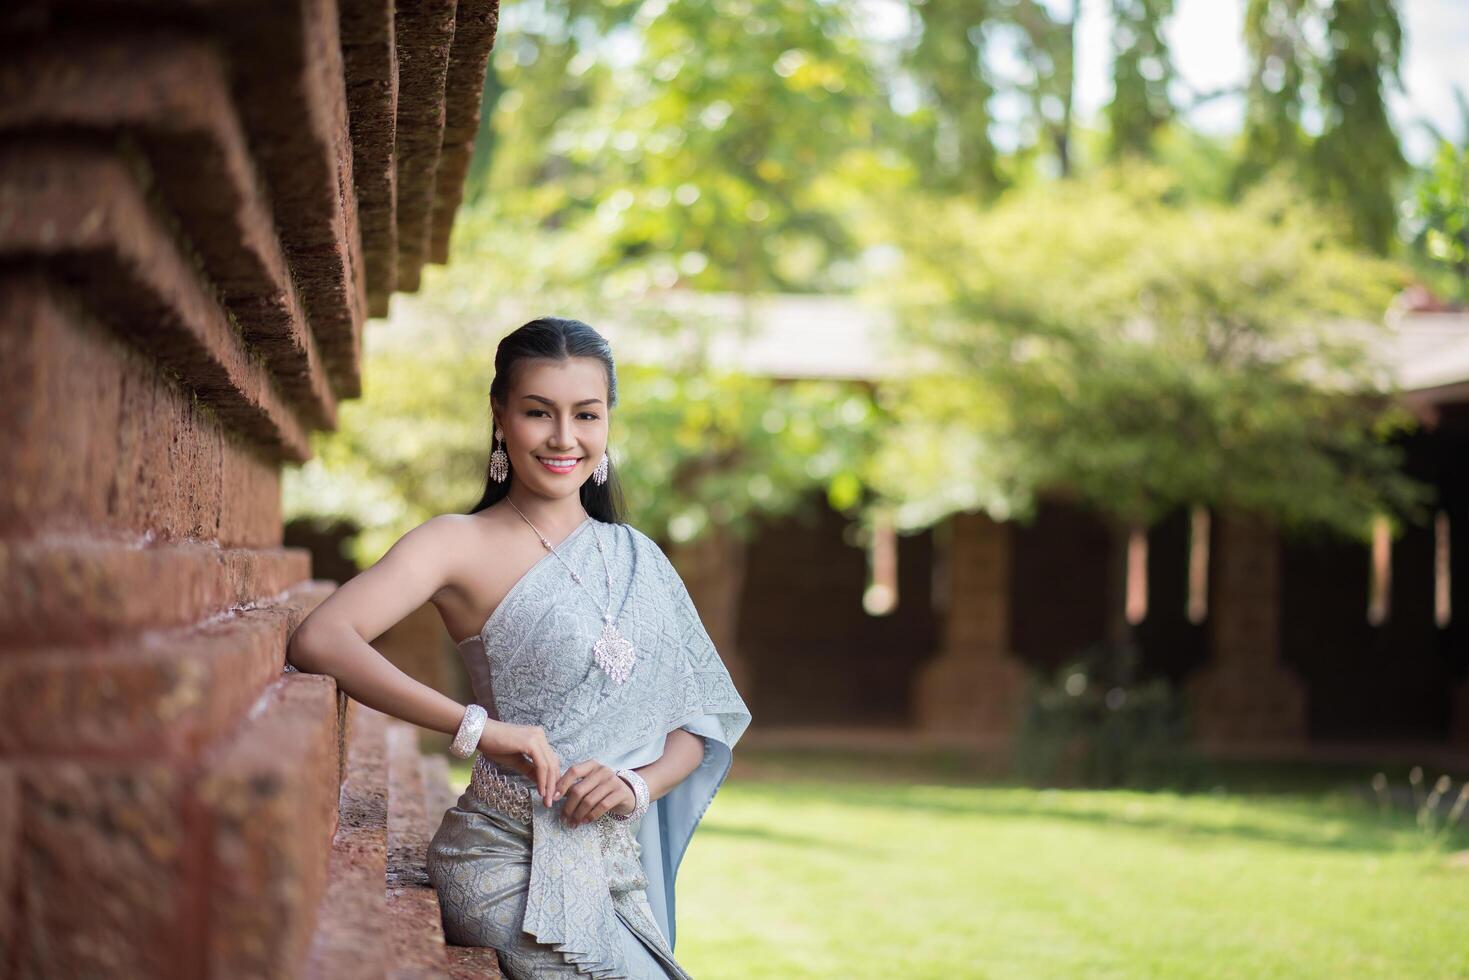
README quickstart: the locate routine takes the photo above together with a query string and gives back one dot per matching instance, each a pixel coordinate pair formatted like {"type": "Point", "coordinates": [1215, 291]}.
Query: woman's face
{"type": "Point", "coordinates": [556, 412]}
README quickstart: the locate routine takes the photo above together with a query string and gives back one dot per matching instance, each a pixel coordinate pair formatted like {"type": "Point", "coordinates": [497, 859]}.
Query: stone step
{"type": "Point", "coordinates": [268, 795]}
{"type": "Point", "coordinates": [350, 938]}
{"type": "Point", "coordinates": [379, 916]}
{"type": "Point", "coordinates": [415, 934]}
{"type": "Point", "coordinates": [155, 694]}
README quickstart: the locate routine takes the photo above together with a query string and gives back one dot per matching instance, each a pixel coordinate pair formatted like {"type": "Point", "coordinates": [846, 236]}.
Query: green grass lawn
{"type": "Point", "coordinates": [825, 865]}
{"type": "Point", "coordinates": [830, 874]}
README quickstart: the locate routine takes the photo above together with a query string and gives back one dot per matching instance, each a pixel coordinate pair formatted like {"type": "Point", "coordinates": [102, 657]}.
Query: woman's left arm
{"type": "Point", "coordinates": [682, 753]}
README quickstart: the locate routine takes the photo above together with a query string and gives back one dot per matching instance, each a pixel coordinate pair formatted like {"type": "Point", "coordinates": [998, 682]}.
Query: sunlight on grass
{"type": "Point", "coordinates": [819, 879]}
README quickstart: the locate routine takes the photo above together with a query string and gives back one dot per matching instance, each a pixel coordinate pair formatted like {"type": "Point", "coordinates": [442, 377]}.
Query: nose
{"type": "Point", "coordinates": [563, 433]}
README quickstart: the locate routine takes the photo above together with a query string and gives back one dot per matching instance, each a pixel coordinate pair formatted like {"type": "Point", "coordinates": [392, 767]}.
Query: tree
{"type": "Point", "coordinates": [1050, 51]}
{"type": "Point", "coordinates": [1440, 212]}
{"type": "Point", "coordinates": [1355, 161]}
{"type": "Point", "coordinates": [953, 148]}
{"type": "Point", "coordinates": [1280, 66]}
{"type": "Point", "coordinates": [1141, 353]}
{"type": "Point", "coordinates": [705, 136]}
{"type": "Point", "coordinates": [1141, 74]}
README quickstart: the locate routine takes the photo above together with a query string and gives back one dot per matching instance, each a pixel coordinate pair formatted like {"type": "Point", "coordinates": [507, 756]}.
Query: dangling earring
{"type": "Point", "coordinates": [499, 462]}
{"type": "Point", "coordinates": [600, 473]}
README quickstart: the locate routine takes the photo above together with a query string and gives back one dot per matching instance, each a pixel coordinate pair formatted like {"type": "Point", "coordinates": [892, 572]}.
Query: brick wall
{"type": "Point", "coordinates": [976, 686]}
{"type": "Point", "coordinates": [199, 205]}
{"type": "Point", "coordinates": [814, 655]}
{"type": "Point", "coordinates": [1245, 694]}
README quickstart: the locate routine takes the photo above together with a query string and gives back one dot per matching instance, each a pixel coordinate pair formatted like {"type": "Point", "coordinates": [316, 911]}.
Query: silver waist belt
{"type": "Point", "coordinates": [495, 788]}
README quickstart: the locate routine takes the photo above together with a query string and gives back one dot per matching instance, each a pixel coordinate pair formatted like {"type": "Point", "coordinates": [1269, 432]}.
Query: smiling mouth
{"type": "Point", "coordinates": [564, 465]}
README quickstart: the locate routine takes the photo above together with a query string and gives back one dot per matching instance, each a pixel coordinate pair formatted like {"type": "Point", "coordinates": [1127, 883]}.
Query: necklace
{"type": "Point", "coordinates": [613, 652]}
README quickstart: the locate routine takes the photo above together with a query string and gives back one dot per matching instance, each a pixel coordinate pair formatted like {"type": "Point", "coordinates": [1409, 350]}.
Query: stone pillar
{"type": "Point", "coordinates": [1245, 695]}
{"type": "Point", "coordinates": [975, 686]}
{"type": "Point", "coordinates": [713, 569]}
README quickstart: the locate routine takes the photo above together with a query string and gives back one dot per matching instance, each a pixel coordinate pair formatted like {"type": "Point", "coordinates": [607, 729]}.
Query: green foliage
{"type": "Point", "coordinates": [1439, 214]}
{"type": "Point", "coordinates": [1127, 336]}
{"type": "Point", "coordinates": [1355, 160]}
{"type": "Point", "coordinates": [699, 446]}
{"type": "Point", "coordinates": [1141, 73]}
{"type": "Point", "coordinates": [692, 443]}
{"type": "Point", "coordinates": [952, 144]}
{"type": "Point", "coordinates": [1144, 352]}
{"type": "Point", "coordinates": [1083, 726]}
{"type": "Point", "coordinates": [694, 139]}
{"type": "Point", "coordinates": [1281, 70]}
{"type": "Point", "coordinates": [950, 136]}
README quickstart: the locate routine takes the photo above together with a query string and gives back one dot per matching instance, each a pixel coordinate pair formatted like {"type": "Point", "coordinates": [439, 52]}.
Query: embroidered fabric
{"type": "Point", "coordinates": [620, 850]}
{"type": "Point", "coordinates": [537, 646]}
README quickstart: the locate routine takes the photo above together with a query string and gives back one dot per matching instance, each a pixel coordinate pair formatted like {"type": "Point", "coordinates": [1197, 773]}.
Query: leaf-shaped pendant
{"type": "Point", "coordinates": [614, 653]}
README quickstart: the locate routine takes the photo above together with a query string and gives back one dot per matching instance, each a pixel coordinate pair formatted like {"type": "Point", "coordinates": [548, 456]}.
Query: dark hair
{"type": "Point", "coordinates": [557, 338]}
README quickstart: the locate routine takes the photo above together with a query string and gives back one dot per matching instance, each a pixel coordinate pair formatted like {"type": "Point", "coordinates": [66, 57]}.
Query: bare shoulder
{"type": "Point", "coordinates": [416, 568]}
{"type": "Point", "coordinates": [458, 541]}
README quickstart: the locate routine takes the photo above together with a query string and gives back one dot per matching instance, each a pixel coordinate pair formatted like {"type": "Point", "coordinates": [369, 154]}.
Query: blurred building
{"type": "Point", "coordinates": [1283, 646]}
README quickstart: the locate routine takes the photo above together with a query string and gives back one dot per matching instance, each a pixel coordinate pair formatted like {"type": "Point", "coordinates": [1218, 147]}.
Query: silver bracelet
{"type": "Point", "coordinates": [639, 792]}
{"type": "Point", "coordinates": [470, 729]}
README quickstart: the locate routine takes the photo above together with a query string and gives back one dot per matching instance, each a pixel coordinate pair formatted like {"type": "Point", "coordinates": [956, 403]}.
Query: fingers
{"type": "Point", "coordinates": [589, 799]}
{"type": "Point", "coordinates": [546, 764]}
{"type": "Point", "coordinates": [545, 774]}
{"type": "Point", "coordinates": [573, 773]}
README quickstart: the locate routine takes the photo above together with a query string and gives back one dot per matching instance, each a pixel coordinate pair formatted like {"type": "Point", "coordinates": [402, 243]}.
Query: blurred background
{"type": "Point", "coordinates": [1058, 410]}
{"type": "Point", "coordinates": [968, 344]}
{"type": "Point", "coordinates": [1032, 394]}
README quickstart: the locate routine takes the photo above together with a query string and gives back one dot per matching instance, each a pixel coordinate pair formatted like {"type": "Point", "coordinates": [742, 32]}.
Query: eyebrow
{"type": "Point", "coordinates": [547, 401]}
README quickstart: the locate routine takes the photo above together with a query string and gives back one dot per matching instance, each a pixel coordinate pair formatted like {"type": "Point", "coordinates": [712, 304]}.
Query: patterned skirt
{"type": "Point", "coordinates": [479, 862]}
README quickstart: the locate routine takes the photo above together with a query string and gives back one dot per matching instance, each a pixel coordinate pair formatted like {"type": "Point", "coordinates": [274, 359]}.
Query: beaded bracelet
{"type": "Point", "coordinates": [639, 792]}
{"type": "Point", "coordinates": [470, 729]}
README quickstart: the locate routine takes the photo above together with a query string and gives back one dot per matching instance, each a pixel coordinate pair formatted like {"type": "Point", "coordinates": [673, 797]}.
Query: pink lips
{"type": "Point", "coordinates": [560, 470]}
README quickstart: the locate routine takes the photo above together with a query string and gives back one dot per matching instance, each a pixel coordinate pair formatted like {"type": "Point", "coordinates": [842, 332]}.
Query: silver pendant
{"type": "Point", "coordinates": [614, 653]}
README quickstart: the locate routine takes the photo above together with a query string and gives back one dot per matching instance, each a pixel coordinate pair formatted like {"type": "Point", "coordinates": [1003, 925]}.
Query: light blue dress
{"type": "Point", "coordinates": [560, 901]}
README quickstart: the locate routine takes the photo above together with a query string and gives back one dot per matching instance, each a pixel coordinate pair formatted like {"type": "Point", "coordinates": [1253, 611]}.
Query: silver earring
{"type": "Point", "coordinates": [499, 462]}
{"type": "Point", "coordinates": [600, 473]}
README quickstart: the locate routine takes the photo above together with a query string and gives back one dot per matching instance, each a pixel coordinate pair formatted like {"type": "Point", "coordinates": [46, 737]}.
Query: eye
{"type": "Point", "coordinates": [541, 411]}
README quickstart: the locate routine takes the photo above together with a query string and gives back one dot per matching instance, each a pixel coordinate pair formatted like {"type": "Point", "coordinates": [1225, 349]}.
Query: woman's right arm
{"type": "Point", "coordinates": [335, 639]}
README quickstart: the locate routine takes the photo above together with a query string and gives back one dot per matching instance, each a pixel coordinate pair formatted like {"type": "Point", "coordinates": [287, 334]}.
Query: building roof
{"type": "Point", "coordinates": [771, 335]}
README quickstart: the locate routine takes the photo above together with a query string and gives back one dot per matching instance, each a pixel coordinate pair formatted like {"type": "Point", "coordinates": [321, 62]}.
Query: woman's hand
{"type": "Point", "coordinates": [591, 790]}
{"type": "Point", "coordinates": [523, 748]}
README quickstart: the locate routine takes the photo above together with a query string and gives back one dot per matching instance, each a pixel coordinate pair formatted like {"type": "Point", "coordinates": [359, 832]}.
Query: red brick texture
{"type": "Point", "coordinates": [975, 687]}
{"type": "Point", "coordinates": [1245, 695]}
{"type": "Point", "coordinates": [198, 210]}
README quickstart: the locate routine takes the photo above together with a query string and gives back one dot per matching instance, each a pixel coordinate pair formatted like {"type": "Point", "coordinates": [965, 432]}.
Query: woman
{"type": "Point", "coordinates": [604, 719]}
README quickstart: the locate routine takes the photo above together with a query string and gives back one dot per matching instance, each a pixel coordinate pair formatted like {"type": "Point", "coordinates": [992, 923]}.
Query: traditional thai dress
{"type": "Point", "coordinates": [596, 899]}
